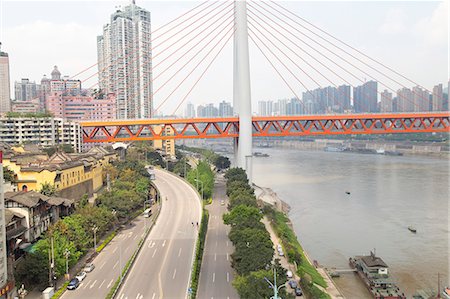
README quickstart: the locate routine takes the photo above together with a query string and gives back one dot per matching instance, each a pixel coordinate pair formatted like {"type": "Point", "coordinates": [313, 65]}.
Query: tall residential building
{"type": "Point", "coordinates": [438, 98]}
{"type": "Point", "coordinates": [190, 110]}
{"type": "Point", "coordinates": [405, 101]}
{"type": "Point", "coordinates": [344, 96]}
{"type": "Point", "coordinates": [225, 109]}
{"type": "Point", "coordinates": [125, 61]}
{"type": "Point", "coordinates": [365, 97]}
{"type": "Point", "coordinates": [386, 102]}
{"type": "Point", "coordinates": [207, 111]}
{"type": "Point", "coordinates": [45, 131]}
{"type": "Point", "coordinates": [25, 90]}
{"type": "Point", "coordinates": [421, 99]}
{"type": "Point", "coordinates": [5, 96]}
{"type": "Point", "coordinates": [265, 108]}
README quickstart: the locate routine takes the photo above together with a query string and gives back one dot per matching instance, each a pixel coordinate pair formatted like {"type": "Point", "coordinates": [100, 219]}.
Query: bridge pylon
{"type": "Point", "coordinates": [241, 89]}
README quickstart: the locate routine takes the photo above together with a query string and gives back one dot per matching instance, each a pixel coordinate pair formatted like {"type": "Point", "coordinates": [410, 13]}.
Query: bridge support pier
{"type": "Point", "coordinates": [241, 89]}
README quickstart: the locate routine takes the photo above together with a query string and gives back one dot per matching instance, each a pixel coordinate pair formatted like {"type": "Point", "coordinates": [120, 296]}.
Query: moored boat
{"type": "Point", "coordinates": [412, 229]}
{"type": "Point", "coordinates": [374, 273]}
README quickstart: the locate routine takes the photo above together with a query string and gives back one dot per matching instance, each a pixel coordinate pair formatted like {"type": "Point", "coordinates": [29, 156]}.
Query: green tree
{"type": "Point", "coordinates": [237, 185]}
{"type": "Point", "coordinates": [243, 216]}
{"type": "Point", "coordinates": [222, 162]}
{"type": "Point", "coordinates": [8, 174]}
{"type": "Point", "coordinates": [236, 174]}
{"type": "Point", "coordinates": [32, 270]}
{"type": "Point", "coordinates": [48, 189]}
{"type": "Point", "coordinates": [242, 199]}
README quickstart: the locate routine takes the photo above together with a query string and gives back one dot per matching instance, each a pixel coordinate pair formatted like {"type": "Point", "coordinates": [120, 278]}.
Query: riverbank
{"type": "Point", "coordinates": [318, 276]}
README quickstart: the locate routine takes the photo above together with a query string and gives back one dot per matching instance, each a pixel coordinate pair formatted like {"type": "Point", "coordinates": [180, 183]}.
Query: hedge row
{"type": "Point", "coordinates": [200, 246]}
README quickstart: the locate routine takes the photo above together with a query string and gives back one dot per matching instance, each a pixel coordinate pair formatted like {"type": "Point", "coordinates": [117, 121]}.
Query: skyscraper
{"type": "Point", "coordinates": [438, 98]}
{"type": "Point", "coordinates": [125, 61]}
{"type": "Point", "coordinates": [190, 110]}
{"type": "Point", "coordinates": [225, 109]}
{"type": "Point", "coordinates": [365, 97]}
{"type": "Point", "coordinates": [386, 101]}
{"type": "Point", "coordinates": [421, 99]}
{"type": "Point", "coordinates": [405, 100]}
{"type": "Point", "coordinates": [5, 96]}
{"type": "Point", "coordinates": [25, 90]}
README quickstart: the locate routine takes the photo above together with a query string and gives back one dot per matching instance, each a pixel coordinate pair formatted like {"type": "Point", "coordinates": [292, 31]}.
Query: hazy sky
{"type": "Point", "coordinates": [409, 36]}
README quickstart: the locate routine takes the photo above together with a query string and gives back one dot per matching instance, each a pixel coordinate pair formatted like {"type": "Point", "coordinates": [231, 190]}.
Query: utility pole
{"type": "Point", "coordinates": [95, 229]}
{"type": "Point", "coordinates": [274, 285]}
{"type": "Point", "coordinates": [67, 254]}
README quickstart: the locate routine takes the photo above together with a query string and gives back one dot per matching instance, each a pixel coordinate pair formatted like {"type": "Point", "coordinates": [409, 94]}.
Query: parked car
{"type": "Point", "coordinates": [279, 247]}
{"type": "Point", "coordinates": [289, 274]}
{"type": "Point", "coordinates": [292, 284]}
{"type": "Point", "coordinates": [222, 202]}
{"type": "Point", "coordinates": [89, 267]}
{"type": "Point", "coordinates": [80, 276]}
{"type": "Point", "coordinates": [280, 252]}
{"type": "Point", "coordinates": [73, 284]}
{"type": "Point", "coordinates": [298, 291]}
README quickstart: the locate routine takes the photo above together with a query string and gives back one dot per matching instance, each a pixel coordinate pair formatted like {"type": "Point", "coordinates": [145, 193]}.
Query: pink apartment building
{"type": "Point", "coordinates": [81, 107]}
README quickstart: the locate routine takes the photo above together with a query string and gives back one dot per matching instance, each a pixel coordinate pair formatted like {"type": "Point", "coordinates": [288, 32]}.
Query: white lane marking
{"type": "Point", "coordinates": [153, 255]}
{"type": "Point", "coordinates": [110, 283]}
{"type": "Point", "coordinates": [179, 252]}
{"type": "Point", "coordinates": [115, 265]}
{"type": "Point", "coordinates": [87, 283]}
{"type": "Point", "coordinates": [81, 284]}
{"type": "Point", "coordinates": [154, 295]}
{"type": "Point", "coordinates": [215, 256]}
{"type": "Point", "coordinates": [135, 237]}
{"type": "Point", "coordinates": [214, 276]}
{"type": "Point", "coordinates": [93, 284]}
{"type": "Point", "coordinates": [174, 273]}
{"type": "Point", "coordinates": [101, 284]}
{"type": "Point", "coordinates": [228, 277]}
{"type": "Point", "coordinates": [164, 243]}
{"type": "Point", "coordinates": [137, 296]}
{"type": "Point", "coordinates": [102, 265]}
{"type": "Point", "coordinates": [114, 249]}
{"type": "Point", "coordinates": [227, 243]}
{"type": "Point", "coordinates": [122, 295]}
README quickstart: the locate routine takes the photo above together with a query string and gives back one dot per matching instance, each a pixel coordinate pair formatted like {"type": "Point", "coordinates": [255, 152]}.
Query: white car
{"type": "Point", "coordinates": [289, 274]}
{"type": "Point", "coordinates": [280, 253]}
{"type": "Point", "coordinates": [89, 267]}
{"type": "Point", "coordinates": [279, 247]}
{"type": "Point", "coordinates": [80, 276]}
{"type": "Point", "coordinates": [222, 202]}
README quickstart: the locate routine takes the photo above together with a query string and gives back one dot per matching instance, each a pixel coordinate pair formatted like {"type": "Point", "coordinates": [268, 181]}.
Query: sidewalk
{"type": "Point", "coordinates": [331, 287]}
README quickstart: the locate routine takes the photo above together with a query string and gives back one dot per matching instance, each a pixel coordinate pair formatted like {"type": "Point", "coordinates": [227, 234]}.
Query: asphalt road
{"type": "Point", "coordinates": [109, 262]}
{"type": "Point", "coordinates": [216, 273]}
{"type": "Point", "coordinates": [163, 267]}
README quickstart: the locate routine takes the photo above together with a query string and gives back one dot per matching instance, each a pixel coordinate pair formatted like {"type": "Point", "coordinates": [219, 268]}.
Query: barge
{"type": "Point", "coordinates": [374, 273]}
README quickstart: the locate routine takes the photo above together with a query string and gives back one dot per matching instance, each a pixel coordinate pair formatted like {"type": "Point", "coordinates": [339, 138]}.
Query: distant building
{"type": "Point", "coordinates": [190, 111]}
{"type": "Point", "coordinates": [438, 98]}
{"type": "Point", "coordinates": [31, 106]}
{"type": "Point", "coordinates": [225, 109]}
{"type": "Point", "coordinates": [167, 146]}
{"type": "Point", "coordinates": [405, 101]}
{"type": "Point", "coordinates": [82, 107]}
{"type": "Point", "coordinates": [265, 108]}
{"type": "Point", "coordinates": [207, 111]}
{"type": "Point", "coordinates": [344, 97]}
{"type": "Point", "coordinates": [421, 99]}
{"type": "Point", "coordinates": [25, 90]}
{"type": "Point", "coordinates": [58, 85]}
{"type": "Point", "coordinates": [5, 96]}
{"type": "Point", "coordinates": [386, 102]}
{"type": "Point", "coordinates": [124, 53]}
{"type": "Point", "coordinates": [365, 97]}
{"type": "Point", "coordinates": [44, 131]}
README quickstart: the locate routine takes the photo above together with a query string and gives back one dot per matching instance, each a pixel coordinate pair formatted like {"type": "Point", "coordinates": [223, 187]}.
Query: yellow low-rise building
{"type": "Point", "coordinates": [71, 174]}
{"type": "Point", "coordinates": [168, 145]}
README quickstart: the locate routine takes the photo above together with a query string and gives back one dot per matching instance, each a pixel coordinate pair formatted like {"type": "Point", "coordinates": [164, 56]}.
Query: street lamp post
{"type": "Point", "coordinates": [95, 229]}
{"type": "Point", "coordinates": [274, 285]}
{"type": "Point", "coordinates": [67, 254]}
{"type": "Point", "coordinates": [202, 186]}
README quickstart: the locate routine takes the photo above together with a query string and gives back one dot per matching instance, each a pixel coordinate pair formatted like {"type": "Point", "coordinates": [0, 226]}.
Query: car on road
{"type": "Point", "coordinates": [292, 284]}
{"type": "Point", "coordinates": [73, 284]}
{"type": "Point", "coordinates": [89, 267]}
{"type": "Point", "coordinates": [298, 291]}
{"type": "Point", "coordinates": [80, 276]}
{"type": "Point", "coordinates": [222, 202]}
{"type": "Point", "coordinates": [289, 274]}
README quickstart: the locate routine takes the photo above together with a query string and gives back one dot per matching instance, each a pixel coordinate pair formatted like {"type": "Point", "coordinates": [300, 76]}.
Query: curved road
{"type": "Point", "coordinates": [163, 267]}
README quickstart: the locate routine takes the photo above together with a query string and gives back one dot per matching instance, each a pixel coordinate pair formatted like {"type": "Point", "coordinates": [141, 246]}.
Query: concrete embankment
{"type": "Point", "coordinates": [268, 196]}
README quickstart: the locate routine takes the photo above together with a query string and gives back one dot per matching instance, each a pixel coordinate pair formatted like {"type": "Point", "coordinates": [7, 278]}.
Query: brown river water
{"type": "Point", "coordinates": [388, 193]}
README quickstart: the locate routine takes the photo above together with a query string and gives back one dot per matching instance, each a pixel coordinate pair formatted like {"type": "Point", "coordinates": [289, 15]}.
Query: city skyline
{"type": "Point", "coordinates": [386, 24]}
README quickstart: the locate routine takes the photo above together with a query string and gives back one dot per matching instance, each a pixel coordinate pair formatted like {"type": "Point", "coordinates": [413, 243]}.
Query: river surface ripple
{"type": "Point", "coordinates": [388, 193]}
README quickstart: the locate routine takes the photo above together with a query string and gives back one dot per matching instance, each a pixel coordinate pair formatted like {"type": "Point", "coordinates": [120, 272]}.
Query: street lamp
{"type": "Point", "coordinates": [198, 181]}
{"type": "Point", "coordinates": [67, 254]}
{"type": "Point", "coordinates": [274, 285]}
{"type": "Point", "coordinates": [95, 229]}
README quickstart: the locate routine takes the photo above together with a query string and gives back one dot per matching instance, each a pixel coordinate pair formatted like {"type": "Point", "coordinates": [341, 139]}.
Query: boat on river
{"type": "Point", "coordinates": [374, 273]}
{"type": "Point", "coordinates": [412, 229]}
